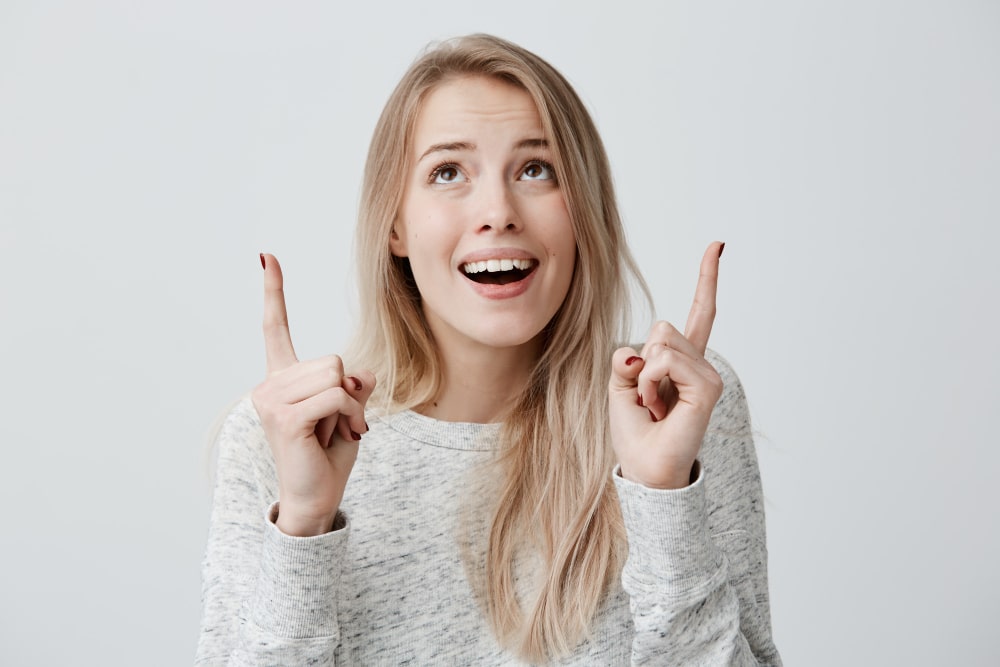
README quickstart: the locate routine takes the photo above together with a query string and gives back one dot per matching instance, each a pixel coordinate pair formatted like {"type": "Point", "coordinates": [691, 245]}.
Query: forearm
{"type": "Point", "coordinates": [268, 598]}
{"type": "Point", "coordinates": [684, 609]}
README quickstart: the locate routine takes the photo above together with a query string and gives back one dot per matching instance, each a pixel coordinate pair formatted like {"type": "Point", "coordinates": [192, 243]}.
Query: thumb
{"type": "Point", "coordinates": [625, 367]}
{"type": "Point", "coordinates": [359, 386]}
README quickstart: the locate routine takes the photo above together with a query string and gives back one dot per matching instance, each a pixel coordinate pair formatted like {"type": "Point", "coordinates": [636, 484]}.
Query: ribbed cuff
{"type": "Point", "coordinates": [669, 546]}
{"type": "Point", "coordinates": [297, 586]}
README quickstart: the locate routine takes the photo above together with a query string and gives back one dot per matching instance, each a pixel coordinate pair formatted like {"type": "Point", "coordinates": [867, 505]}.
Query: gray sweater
{"type": "Point", "coordinates": [388, 587]}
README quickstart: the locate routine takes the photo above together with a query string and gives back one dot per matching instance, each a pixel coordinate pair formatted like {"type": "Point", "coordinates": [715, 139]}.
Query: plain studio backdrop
{"type": "Point", "coordinates": [847, 152]}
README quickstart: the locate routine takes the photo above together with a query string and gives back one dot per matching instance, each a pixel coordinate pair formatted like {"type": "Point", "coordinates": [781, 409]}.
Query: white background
{"type": "Point", "coordinates": [847, 152]}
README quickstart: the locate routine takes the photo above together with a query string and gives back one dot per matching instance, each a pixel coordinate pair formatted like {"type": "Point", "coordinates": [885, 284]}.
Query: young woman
{"type": "Point", "coordinates": [485, 479]}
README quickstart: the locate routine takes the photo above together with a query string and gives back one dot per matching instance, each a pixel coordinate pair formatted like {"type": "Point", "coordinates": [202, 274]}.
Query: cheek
{"type": "Point", "coordinates": [434, 231]}
{"type": "Point", "coordinates": [430, 243]}
{"type": "Point", "coordinates": [562, 240]}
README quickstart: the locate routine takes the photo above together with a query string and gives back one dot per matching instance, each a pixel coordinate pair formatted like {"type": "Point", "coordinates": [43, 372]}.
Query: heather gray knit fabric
{"type": "Point", "coordinates": [388, 587]}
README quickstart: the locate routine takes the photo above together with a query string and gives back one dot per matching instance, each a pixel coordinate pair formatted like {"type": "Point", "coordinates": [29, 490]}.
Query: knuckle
{"type": "Point", "coordinates": [667, 355]}
{"type": "Point", "coordinates": [331, 376]}
{"type": "Point", "coordinates": [273, 327]}
{"type": "Point", "coordinates": [261, 399]}
{"type": "Point", "coordinates": [283, 421]}
{"type": "Point", "coordinates": [339, 397]}
{"type": "Point", "coordinates": [715, 385]}
{"type": "Point", "coordinates": [663, 328]}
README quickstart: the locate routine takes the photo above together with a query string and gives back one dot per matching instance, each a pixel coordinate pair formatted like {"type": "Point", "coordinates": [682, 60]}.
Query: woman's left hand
{"type": "Point", "coordinates": [661, 399]}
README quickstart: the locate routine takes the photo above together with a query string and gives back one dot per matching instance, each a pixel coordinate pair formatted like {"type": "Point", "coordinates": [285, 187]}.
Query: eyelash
{"type": "Point", "coordinates": [545, 164]}
{"type": "Point", "coordinates": [442, 167]}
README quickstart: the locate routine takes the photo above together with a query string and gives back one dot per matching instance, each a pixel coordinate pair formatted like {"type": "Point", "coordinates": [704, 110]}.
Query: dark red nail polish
{"type": "Point", "coordinates": [639, 401]}
{"type": "Point", "coordinates": [721, 248]}
{"type": "Point", "coordinates": [652, 416]}
{"type": "Point", "coordinates": [263, 264]}
{"type": "Point", "coordinates": [367, 428]}
{"type": "Point", "coordinates": [357, 383]}
{"type": "Point", "coordinates": [631, 360]}
{"type": "Point", "coordinates": [356, 436]}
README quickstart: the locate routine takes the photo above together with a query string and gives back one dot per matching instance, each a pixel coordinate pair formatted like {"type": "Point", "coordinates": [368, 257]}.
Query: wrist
{"type": "Point", "coordinates": [672, 478]}
{"type": "Point", "coordinates": [298, 524]}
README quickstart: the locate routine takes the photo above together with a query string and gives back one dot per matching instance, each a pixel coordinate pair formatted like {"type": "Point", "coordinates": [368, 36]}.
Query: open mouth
{"type": "Point", "coordinates": [498, 271]}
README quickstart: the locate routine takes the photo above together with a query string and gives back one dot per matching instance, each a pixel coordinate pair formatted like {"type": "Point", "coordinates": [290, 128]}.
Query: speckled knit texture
{"type": "Point", "coordinates": [388, 587]}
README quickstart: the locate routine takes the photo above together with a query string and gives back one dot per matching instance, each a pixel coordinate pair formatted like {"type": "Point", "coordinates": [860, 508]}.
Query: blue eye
{"type": "Point", "coordinates": [446, 173]}
{"type": "Point", "coordinates": [538, 170]}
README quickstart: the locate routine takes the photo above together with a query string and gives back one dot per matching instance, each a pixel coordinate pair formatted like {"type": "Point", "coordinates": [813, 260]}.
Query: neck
{"type": "Point", "coordinates": [480, 383]}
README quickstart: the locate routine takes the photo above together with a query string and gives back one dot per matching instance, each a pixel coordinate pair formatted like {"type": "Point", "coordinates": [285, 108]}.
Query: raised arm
{"type": "Point", "coordinates": [691, 498]}
{"type": "Point", "coordinates": [271, 569]}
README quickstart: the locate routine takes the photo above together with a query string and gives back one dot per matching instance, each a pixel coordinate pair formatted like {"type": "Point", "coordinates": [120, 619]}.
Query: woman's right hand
{"type": "Point", "coordinates": [313, 416]}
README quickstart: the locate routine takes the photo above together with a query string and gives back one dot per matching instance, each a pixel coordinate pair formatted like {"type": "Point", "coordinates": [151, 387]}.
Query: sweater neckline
{"type": "Point", "coordinates": [464, 436]}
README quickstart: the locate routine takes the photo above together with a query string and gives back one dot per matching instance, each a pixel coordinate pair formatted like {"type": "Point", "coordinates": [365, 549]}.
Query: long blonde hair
{"type": "Point", "coordinates": [555, 452]}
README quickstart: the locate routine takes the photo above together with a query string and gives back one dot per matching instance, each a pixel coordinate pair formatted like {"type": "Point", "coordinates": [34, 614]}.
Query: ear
{"type": "Point", "coordinates": [397, 244]}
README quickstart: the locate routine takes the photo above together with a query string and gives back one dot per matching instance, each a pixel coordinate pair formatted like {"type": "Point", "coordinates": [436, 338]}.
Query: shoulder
{"type": "Point", "coordinates": [239, 425]}
{"type": "Point", "coordinates": [724, 369]}
{"type": "Point", "coordinates": [728, 450]}
{"type": "Point", "coordinates": [240, 446]}
{"type": "Point", "coordinates": [729, 457]}
{"type": "Point", "coordinates": [731, 411]}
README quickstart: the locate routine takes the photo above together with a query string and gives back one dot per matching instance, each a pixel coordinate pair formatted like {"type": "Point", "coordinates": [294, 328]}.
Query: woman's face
{"type": "Point", "coordinates": [483, 219]}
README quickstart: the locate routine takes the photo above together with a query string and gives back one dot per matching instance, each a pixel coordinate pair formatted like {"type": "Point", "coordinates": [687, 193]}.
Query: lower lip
{"type": "Point", "coordinates": [508, 291]}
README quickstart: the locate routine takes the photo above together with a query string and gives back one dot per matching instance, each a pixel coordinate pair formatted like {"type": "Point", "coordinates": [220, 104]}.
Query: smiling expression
{"type": "Point", "coordinates": [483, 219]}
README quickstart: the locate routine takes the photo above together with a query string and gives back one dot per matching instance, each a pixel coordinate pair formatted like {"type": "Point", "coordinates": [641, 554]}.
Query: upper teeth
{"type": "Point", "coordinates": [494, 265]}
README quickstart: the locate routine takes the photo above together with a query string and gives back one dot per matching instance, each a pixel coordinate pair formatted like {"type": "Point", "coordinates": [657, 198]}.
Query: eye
{"type": "Point", "coordinates": [446, 173]}
{"type": "Point", "coordinates": [538, 170]}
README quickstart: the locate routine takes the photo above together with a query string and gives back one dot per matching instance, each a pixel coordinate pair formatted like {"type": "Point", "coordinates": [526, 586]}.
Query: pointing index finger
{"type": "Point", "coordinates": [702, 315]}
{"type": "Point", "coordinates": [277, 339]}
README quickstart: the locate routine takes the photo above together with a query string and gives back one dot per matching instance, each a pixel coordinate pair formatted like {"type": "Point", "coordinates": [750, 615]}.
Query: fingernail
{"type": "Point", "coordinates": [652, 416]}
{"type": "Point", "coordinates": [357, 383]}
{"type": "Point", "coordinates": [639, 401]}
{"type": "Point", "coordinates": [721, 248]}
{"type": "Point", "coordinates": [631, 360]}
{"type": "Point", "coordinates": [367, 428]}
{"type": "Point", "coordinates": [263, 264]}
{"type": "Point", "coordinates": [356, 436]}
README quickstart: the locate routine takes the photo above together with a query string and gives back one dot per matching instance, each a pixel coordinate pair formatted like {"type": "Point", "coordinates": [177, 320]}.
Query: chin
{"type": "Point", "coordinates": [504, 338]}
{"type": "Point", "coordinates": [505, 341]}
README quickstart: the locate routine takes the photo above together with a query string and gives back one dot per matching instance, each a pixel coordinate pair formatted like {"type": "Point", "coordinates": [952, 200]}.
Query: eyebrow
{"type": "Point", "coordinates": [469, 146]}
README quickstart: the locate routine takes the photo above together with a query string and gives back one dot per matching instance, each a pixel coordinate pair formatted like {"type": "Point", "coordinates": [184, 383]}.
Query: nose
{"type": "Point", "coordinates": [497, 207]}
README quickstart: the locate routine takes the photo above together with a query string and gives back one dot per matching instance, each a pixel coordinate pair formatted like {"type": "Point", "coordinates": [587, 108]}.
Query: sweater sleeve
{"type": "Point", "coordinates": [696, 571]}
{"type": "Point", "coordinates": [267, 598]}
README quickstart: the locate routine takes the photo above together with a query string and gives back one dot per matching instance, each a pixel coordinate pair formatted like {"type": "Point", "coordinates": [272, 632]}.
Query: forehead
{"type": "Point", "coordinates": [474, 105]}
